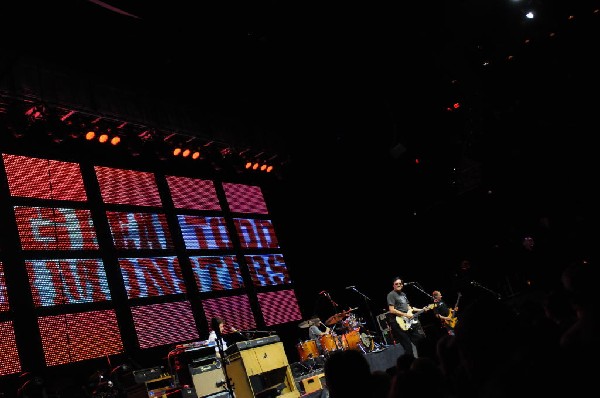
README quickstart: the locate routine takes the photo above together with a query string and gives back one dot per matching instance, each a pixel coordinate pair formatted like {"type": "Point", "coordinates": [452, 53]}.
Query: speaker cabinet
{"type": "Point", "coordinates": [313, 383]}
{"type": "Point", "coordinates": [208, 379]}
{"type": "Point", "coordinates": [262, 372]}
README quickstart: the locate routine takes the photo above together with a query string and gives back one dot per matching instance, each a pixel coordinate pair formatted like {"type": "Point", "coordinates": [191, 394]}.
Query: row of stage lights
{"type": "Point", "coordinates": [195, 154]}
{"type": "Point", "coordinates": [66, 125]}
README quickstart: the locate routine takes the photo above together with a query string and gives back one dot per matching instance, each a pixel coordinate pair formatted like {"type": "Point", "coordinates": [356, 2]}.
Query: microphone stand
{"type": "Point", "coordinates": [224, 362]}
{"type": "Point", "coordinates": [477, 284]}
{"type": "Point", "coordinates": [419, 288]}
{"type": "Point", "coordinates": [373, 320]}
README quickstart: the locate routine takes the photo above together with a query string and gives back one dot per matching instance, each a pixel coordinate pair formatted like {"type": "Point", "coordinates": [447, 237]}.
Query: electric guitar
{"type": "Point", "coordinates": [406, 323]}
{"type": "Point", "coordinates": [452, 314]}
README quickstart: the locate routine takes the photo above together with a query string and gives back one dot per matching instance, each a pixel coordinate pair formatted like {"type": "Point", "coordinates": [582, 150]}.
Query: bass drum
{"type": "Point", "coordinates": [307, 350]}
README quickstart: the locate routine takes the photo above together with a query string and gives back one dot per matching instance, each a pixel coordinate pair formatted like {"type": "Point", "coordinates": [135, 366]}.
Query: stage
{"type": "Point", "coordinates": [310, 378]}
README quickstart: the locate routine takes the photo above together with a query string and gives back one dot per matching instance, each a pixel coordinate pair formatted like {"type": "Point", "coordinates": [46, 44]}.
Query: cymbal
{"type": "Point", "coordinates": [332, 320]}
{"type": "Point", "coordinates": [307, 323]}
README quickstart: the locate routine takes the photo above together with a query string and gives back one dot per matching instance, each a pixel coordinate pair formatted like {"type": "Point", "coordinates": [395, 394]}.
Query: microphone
{"type": "Point", "coordinates": [234, 330]}
{"type": "Point", "coordinates": [409, 283]}
{"type": "Point", "coordinates": [350, 287]}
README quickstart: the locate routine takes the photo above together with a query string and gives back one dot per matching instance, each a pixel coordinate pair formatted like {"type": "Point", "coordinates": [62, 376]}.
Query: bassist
{"type": "Point", "coordinates": [445, 314]}
{"type": "Point", "coordinates": [402, 319]}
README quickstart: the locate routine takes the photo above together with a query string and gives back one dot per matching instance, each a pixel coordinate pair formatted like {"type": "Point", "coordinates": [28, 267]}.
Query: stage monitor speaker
{"type": "Point", "coordinates": [387, 337]}
{"type": "Point", "coordinates": [382, 320]}
{"type": "Point", "coordinates": [262, 372]}
{"type": "Point", "coordinates": [208, 379]}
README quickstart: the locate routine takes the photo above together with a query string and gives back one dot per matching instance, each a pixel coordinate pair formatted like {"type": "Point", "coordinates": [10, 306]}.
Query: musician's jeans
{"type": "Point", "coordinates": [414, 335]}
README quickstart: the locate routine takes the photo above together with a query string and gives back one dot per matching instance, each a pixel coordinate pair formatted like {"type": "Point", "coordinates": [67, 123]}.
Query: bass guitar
{"type": "Point", "coordinates": [406, 323]}
{"type": "Point", "coordinates": [451, 322]}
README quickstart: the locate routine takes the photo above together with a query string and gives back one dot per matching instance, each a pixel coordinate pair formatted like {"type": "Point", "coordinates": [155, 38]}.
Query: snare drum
{"type": "Point", "coordinates": [328, 343]}
{"type": "Point", "coordinates": [307, 350]}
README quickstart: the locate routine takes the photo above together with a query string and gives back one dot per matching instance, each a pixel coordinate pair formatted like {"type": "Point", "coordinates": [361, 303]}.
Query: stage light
{"type": "Point", "coordinates": [248, 165]}
{"type": "Point", "coordinates": [263, 167]}
{"type": "Point", "coordinates": [176, 151]}
{"type": "Point", "coordinates": [115, 140]}
{"type": "Point", "coordinates": [269, 169]}
{"type": "Point", "coordinates": [255, 166]}
{"type": "Point", "coordinates": [103, 138]}
{"type": "Point", "coordinates": [196, 155]}
{"type": "Point", "coordinates": [90, 135]}
{"type": "Point", "coordinates": [186, 153]}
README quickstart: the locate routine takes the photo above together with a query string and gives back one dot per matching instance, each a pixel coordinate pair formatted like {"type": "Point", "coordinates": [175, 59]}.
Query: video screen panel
{"type": "Point", "coordinates": [268, 270]}
{"type": "Point", "coordinates": [245, 198]}
{"type": "Point", "coordinates": [127, 187]}
{"type": "Point", "coordinates": [193, 193]}
{"type": "Point", "coordinates": [9, 356]}
{"type": "Point", "coordinates": [279, 307]}
{"type": "Point", "coordinates": [67, 281]}
{"type": "Point", "coordinates": [75, 280]}
{"type": "Point", "coordinates": [4, 305]}
{"type": "Point", "coordinates": [204, 232]}
{"type": "Point", "coordinates": [153, 276]}
{"type": "Point", "coordinates": [55, 228]}
{"type": "Point", "coordinates": [234, 310]}
{"type": "Point", "coordinates": [168, 323]}
{"type": "Point", "coordinates": [79, 336]}
{"type": "Point", "coordinates": [256, 234]}
{"type": "Point", "coordinates": [139, 230]}
{"type": "Point", "coordinates": [214, 273]}
{"type": "Point", "coordinates": [43, 178]}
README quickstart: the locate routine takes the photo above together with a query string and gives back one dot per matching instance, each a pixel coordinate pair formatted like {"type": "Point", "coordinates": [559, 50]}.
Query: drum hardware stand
{"type": "Point", "coordinates": [373, 320]}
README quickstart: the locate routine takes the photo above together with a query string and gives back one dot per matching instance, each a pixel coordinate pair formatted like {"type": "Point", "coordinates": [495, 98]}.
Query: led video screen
{"type": "Point", "coordinates": [89, 233]}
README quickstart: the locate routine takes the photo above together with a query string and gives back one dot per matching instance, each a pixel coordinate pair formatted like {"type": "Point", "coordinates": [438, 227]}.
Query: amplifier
{"type": "Point", "coordinates": [314, 383]}
{"type": "Point", "coordinates": [208, 379]}
{"type": "Point", "coordinates": [144, 375]}
{"type": "Point", "coordinates": [245, 345]}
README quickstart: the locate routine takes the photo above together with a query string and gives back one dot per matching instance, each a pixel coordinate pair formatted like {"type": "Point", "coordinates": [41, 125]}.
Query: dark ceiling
{"type": "Point", "coordinates": [361, 90]}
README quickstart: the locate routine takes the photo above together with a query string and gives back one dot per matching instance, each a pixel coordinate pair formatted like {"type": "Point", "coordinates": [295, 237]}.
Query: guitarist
{"type": "Point", "coordinates": [444, 313]}
{"type": "Point", "coordinates": [401, 319]}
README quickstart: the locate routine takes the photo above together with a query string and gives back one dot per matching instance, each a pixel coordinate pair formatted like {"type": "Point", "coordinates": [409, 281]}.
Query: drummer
{"type": "Point", "coordinates": [315, 332]}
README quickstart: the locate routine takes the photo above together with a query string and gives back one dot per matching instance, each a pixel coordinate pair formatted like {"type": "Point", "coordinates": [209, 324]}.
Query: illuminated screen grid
{"type": "Point", "coordinates": [214, 273]}
{"type": "Point", "coordinates": [79, 336]}
{"type": "Point", "coordinates": [279, 307]}
{"type": "Point", "coordinates": [67, 281]}
{"type": "Point", "coordinates": [167, 323]}
{"type": "Point", "coordinates": [9, 356]}
{"type": "Point", "coordinates": [4, 305]}
{"type": "Point", "coordinates": [234, 310]}
{"type": "Point", "coordinates": [54, 228]}
{"type": "Point", "coordinates": [43, 178]}
{"type": "Point", "coordinates": [58, 281]}
{"type": "Point", "coordinates": [245, 198]}
{"type": "Point", "coordinates": [204, 232]}
{"type": "Point", "coordinates": [256, 234]}
{"type": "Point", "coordinates": [152, 276]}
{"type": "Point", "coordinates": [139, 230]}
{"type": "Point", "coordinates": [267, 270]}
{"type": "Point", "coordinates": [193, 193]}
{"type": "Point", "coordinates": [128, 187]}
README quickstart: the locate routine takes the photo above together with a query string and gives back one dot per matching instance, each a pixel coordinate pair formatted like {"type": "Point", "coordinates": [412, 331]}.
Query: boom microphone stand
{"type": "Point", "coordinates": [222, 358]}
{"type": "Point", "coordinates": [373, 320]}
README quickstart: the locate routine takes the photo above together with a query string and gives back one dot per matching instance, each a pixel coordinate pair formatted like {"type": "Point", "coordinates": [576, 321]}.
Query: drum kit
{"type": "Point", "coordinates": [346, 333]}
